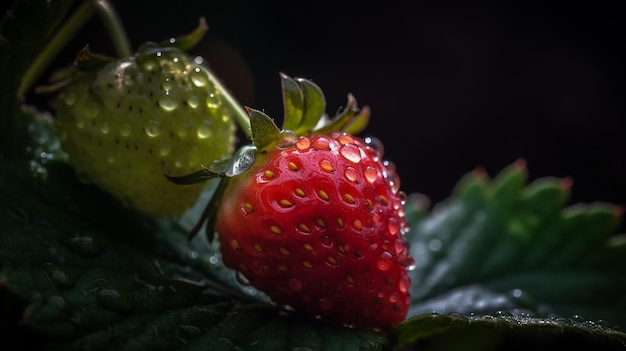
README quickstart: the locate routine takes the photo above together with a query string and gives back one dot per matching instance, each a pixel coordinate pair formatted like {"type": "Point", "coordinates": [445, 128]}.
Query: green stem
{"type": "Point", "coordinates": [114, 26]}
{"type": "Point", "coordinates": [58, 41]}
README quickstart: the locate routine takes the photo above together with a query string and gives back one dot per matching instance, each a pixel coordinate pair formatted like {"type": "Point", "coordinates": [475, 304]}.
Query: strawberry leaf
{"type": "Point", "coordinates": [503, 332]}
{"type": "Point", "coordinates": [263, 129]}
{"type": "Point", "coordinates": [502, 245]}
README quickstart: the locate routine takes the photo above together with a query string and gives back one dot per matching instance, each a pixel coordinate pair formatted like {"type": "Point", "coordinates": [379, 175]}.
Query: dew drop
{"type": "Point", "coordinates": [88, 244]}
{"type": "Point", "coordinates": [125, 130]}
{"type": "Point", "coordinates": [288, 138]}
{"type": "Point", "coordinates": [149, 65]}
{"type": "Point", "coordinates": [325, 304]}
{"type": "Point", "coordinates": [295, 285]}
{"type": "Point", "coordinates": [183, 131]}
{"type": "Point", "coordinates": [384, 262]}
{"type": "Point", "coordinates": [204, 130]}
{"type": "Point", "coordinates": [80, 121]}
{"type": "Point", "coordinates": [193, 101]}
{"type": "Point", "coordinates": [168, 102]}
{"type": "Point", "coordinates": [351, 153]}
{"type": "Point", "coordinates": [113, 299]}
{"type": "Point", "coordinates": [351, 174]}
{"type": "Point", "coordinates": [179, 162]}
{"type": "Point", "coordinates": [393, 180]}
{"type": "Point", "coordinates": [69, 97]}
{"type": "Point", "coordinates": [400, 247]}
{"type": "Point", "coordinates": [152, 128]}
{"type": "Point", "coordinates": [370, 174]}
{"type": "Point", "coordinates": [393, 297]}
{"type": "Point", "coordinates": [241, 279]}
{"type": "Point", "coordinates": [167, 85]}
{"type": "Point", "coordinates": [91, 109]}
{"type": "Point", "coordinates": [213, 101]}
{"type": "Point", "coordinates": [198, 77]}
{"type": "Point", "coordinates": [345, 139]}
{"type": "Point", "coordinates": [393, 226]}
{"type": "Point", "coordinates": [188, 331]}
{"type": "Point", "coordinates": [326, 241]}
{"type": "Point", "coordinates": [374, 146]}
{"type": "Point", "coordinates": [303, 143]}
{"type": "Point", "coordinates": [321, 144]}
{"type": "Point", "coordinates": [110, 158]}
{"type": "Point", "coordinates": [59, 277]}
{"type": "Point", "coordinates": [104, 128]}
{"type": "Point", "coordinates": [165, 150]}
{"type": "Point", "coordinates": [405, 283]}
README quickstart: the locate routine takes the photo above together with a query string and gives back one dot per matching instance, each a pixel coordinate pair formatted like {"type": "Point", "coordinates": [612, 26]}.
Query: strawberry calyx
{"type": "Point", "coordinates": [87, 61]}
{"type": "Point", "coordinates": [304, 107]}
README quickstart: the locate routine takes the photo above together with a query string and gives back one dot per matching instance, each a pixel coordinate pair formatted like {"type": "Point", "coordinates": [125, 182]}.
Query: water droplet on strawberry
{"type": "Point", "coordinates": [374, 147]}
{"type": "Point", "coordinates": [165, 149]}
{"type": "Point", "coordinates": [384, 261]}
{"type": "Point", "coordinates": [295, 285]}
{"type": "Point", "coordinates": [371, 174]}
{"type": "Point", "coordinates": [193, 101]}
{"type": "Point", "coordinates": [69, 97]}
{"type": "Point", "coordinates": [344, 139]}
{"type": "Point", "coordinates": [213, 101]}
{"type": "Point", "coordinates": [405, 283]}
{"type": "Point", "coordinates": [321, 144]}
{"type": "Point", "coordinates": [393, 297]}
{"type": "Point", "coordinates": [393, 226]}
{"type": "Point", "coordinates": [104, 128]}
{"type": "Point", "coordinates": [351, 174]}
{"type": "Point", "coordinates": [350, 152]}
{"type": "Point", "coordinates": [168, 101]}
{"type": "Point", "coordinates": [204, 130]}
{"type": "Point", "coordinates": [80, 121]}
{"type": "Point", "coordinates": [325, 304]}
{"type": "Point", "coordinates": [180, 162]}
{"type": "Point", "coordinates": [125, 130]}
{"type": "Point", "coordinates": [198, 77]}
{"type": "Point", "coordinates": [152, 128]}
{"type": "Point", "coordinates": [303, 143]}
{"type": "Point", "coordinates": [183, 131]}
{"type": "Point", "coordinates": [110, 158]}
{"type": "Point", "coordinates": [91, 110]}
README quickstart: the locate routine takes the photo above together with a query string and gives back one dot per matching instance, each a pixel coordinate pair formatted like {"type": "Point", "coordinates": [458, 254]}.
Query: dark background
{"type": "Point", "coordinates": [452, 85]}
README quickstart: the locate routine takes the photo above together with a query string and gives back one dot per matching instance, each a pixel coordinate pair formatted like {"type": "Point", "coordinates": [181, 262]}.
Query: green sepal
{"type": "Point", "coordinates": [313, 108]}
{"type": "Point", "coordinates": [304, 106]}
{"type": "Point", "coordinates": [350, 119]}
{"type": "Point", "coordinates": [87, 60]}
{"type": "Point", "coordinates": [188, 41]}
{"type": "Point", "coordinates": [241, 161]}
{"type": "Point", "coordinates": [293, 102]}
{"type": "Point", "coordinates": [264, 131]}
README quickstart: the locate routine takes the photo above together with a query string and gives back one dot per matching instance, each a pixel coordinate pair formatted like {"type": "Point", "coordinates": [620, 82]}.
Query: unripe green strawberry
{"type": "Point", "coordinates": [313, 215]}
{"type": "Point", "coordinates": [133, 120]}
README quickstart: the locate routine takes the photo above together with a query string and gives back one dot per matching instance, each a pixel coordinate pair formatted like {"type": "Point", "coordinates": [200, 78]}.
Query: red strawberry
{"type": "Point", "coordinates": [315, 218]}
